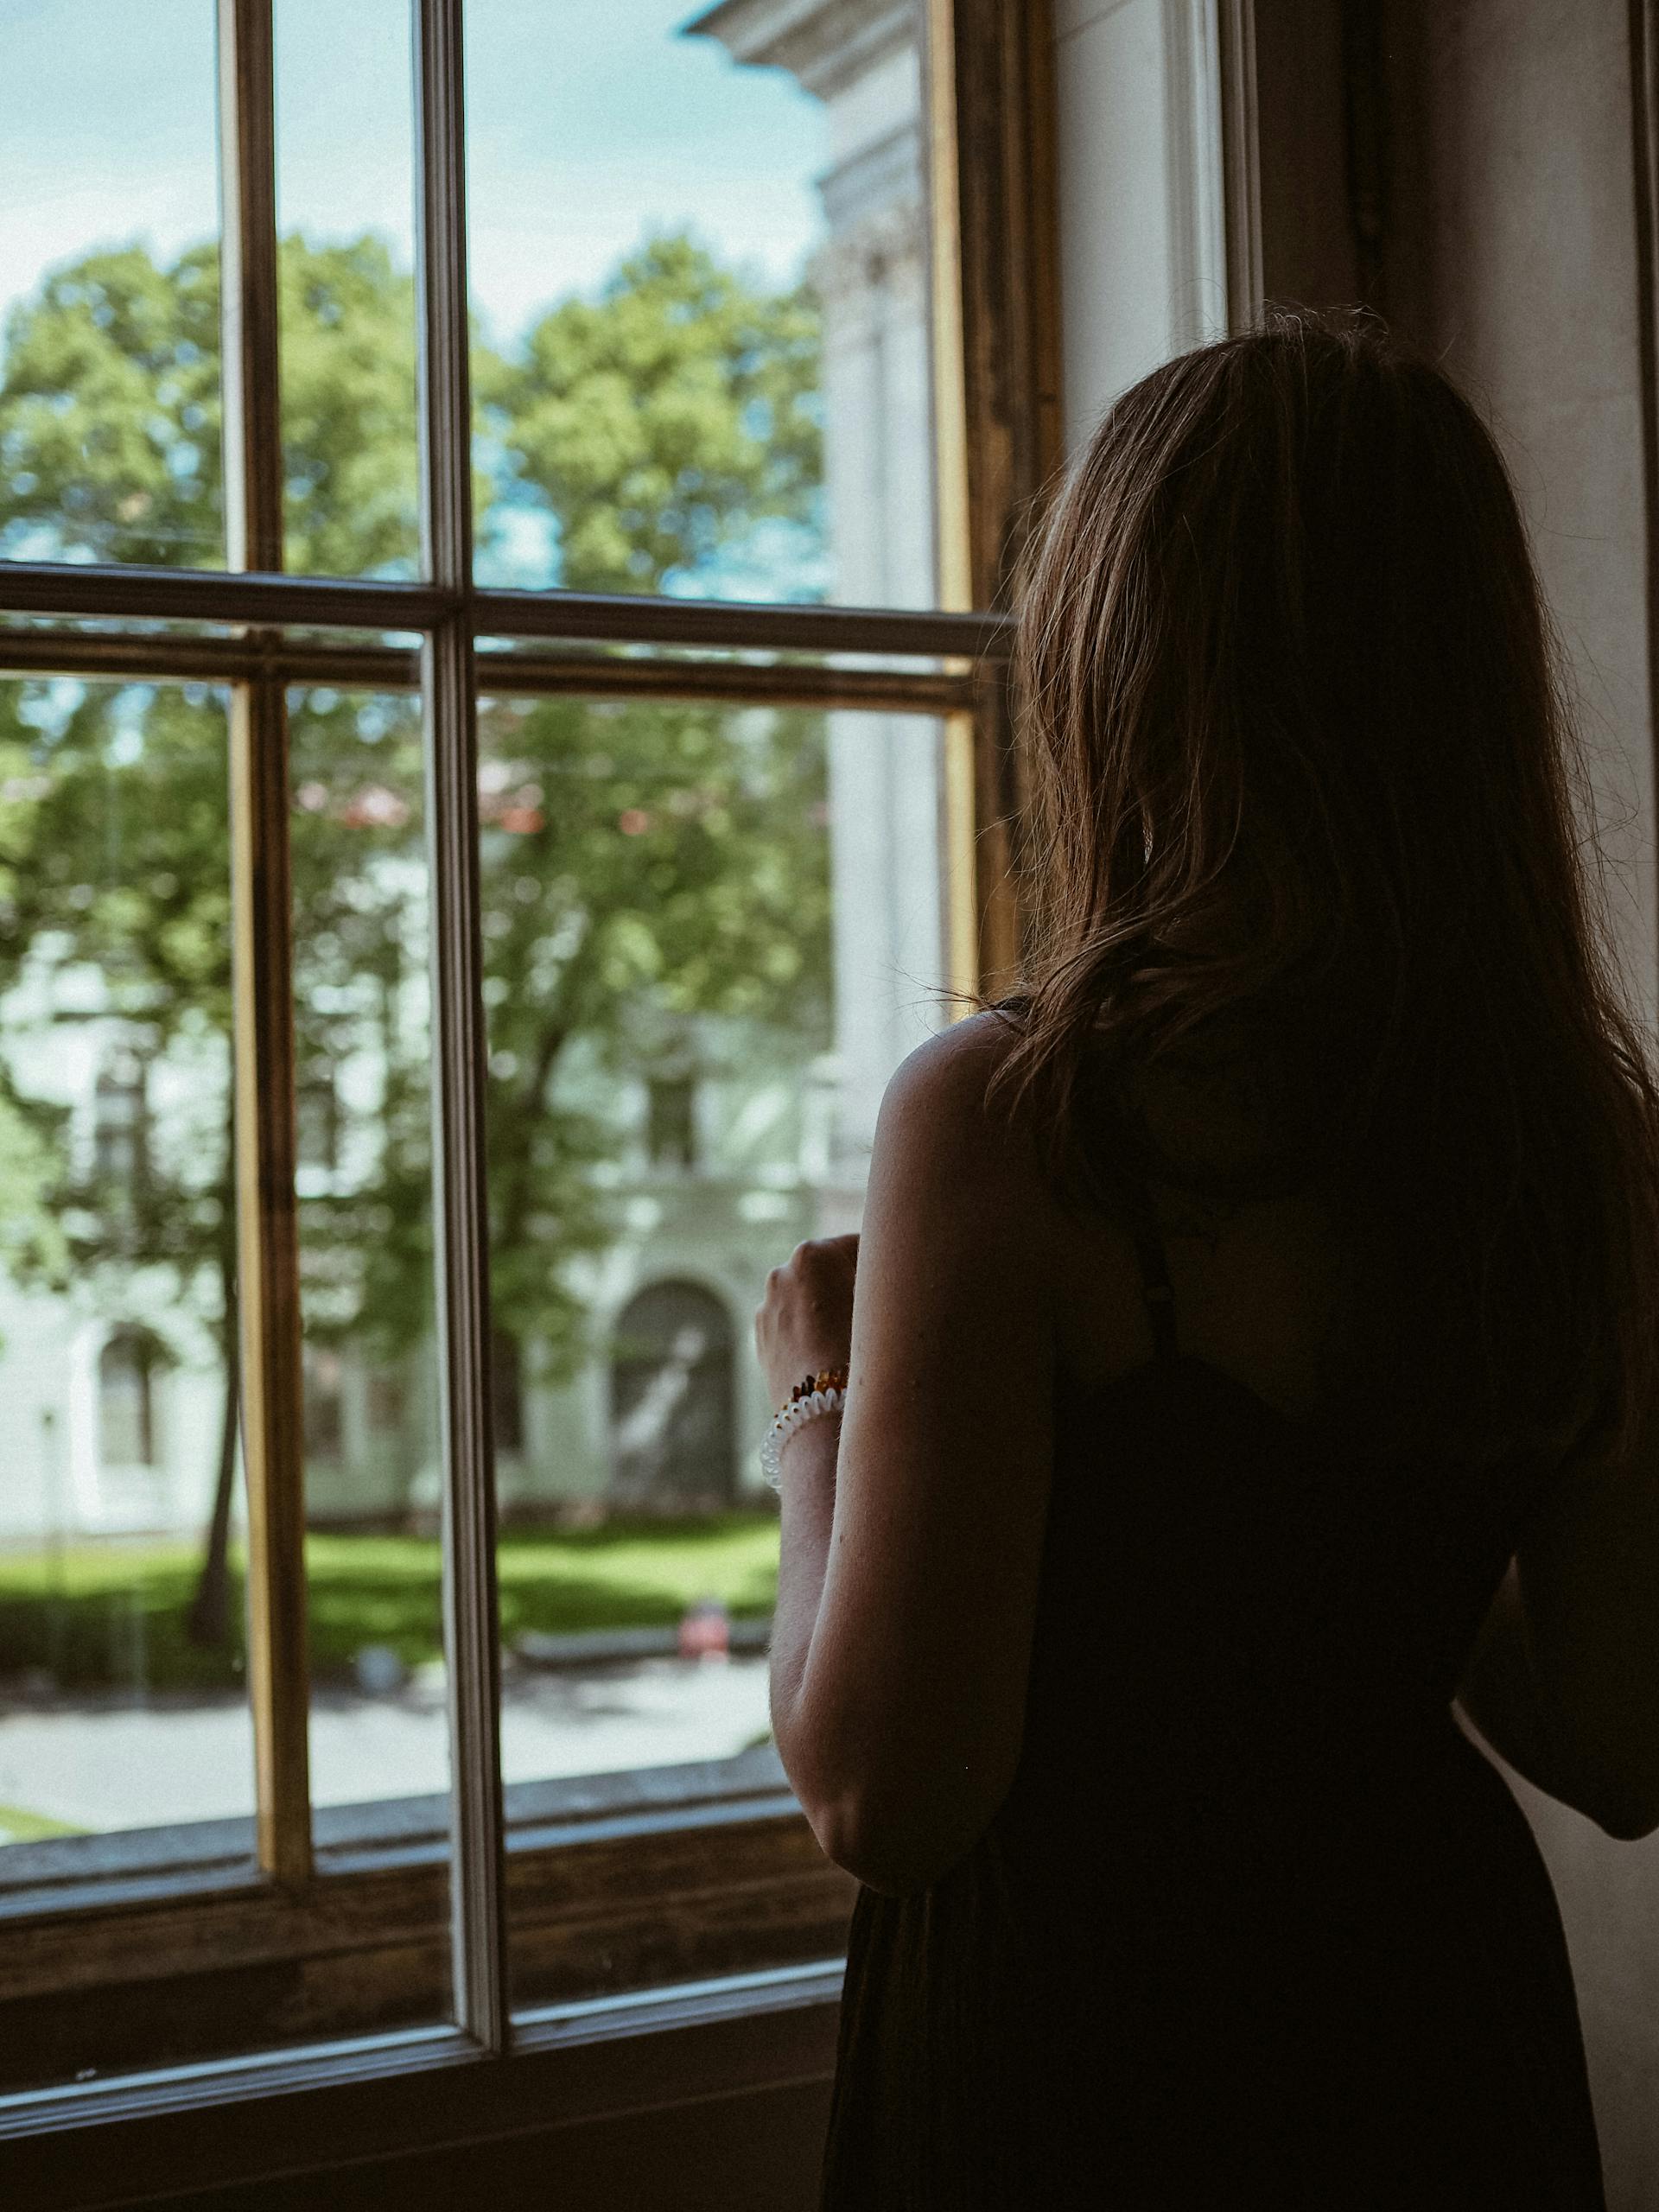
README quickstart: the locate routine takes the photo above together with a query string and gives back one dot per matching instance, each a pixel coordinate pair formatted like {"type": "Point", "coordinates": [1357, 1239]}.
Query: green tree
{"type": "Point", "coordinates": [661, 423]}
{"type": "Point", "coordinates": [110, 420]}
{"type": "Point", "coordinates": [115, 924]}
{"type": "Point", "coordinates": [110, 416]}
{"type": "Point", "coordinates": [645, 866]}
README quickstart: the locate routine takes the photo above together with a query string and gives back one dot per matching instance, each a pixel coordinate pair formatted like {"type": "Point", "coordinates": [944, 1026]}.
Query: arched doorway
{"type": "Point", "coordinates": [672, 1401]}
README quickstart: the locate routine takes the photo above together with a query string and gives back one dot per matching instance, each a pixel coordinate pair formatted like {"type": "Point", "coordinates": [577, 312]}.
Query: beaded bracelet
{"type": "Point", "coordinates": [823, 1393]}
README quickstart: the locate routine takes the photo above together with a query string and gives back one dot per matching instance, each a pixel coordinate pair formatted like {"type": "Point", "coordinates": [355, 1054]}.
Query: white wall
{"type": "Point", "coordinates": [1522, 145]}
{"type": "Point", "coordinates": [1514, 125]}
{"type": "Point", "coordinates": [1141, 253]}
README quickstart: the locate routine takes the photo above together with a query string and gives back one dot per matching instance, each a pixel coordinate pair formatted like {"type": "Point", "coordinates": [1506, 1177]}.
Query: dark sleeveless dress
{"type": "Point", "coordinates": [1256, 1924]}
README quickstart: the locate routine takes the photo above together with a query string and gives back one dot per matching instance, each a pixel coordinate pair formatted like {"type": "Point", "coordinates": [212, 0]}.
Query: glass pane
{"type": "Point", "coordinates": [123, 1698]}
{"type": "Point", "coordinates": [364, 1180]}
{"type": "Point", "coordinates": [345, 194]}
{"type": "Point", "coordinates": [709, 935]}
{"type": "Point", "coordinates": [109, 283]}
{"type": "Point", "coordinates": [698, 262]}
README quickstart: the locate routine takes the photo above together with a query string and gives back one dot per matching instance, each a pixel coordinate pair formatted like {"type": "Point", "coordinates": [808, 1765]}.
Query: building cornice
{"type": "Point", "coordinates": [824, 44]}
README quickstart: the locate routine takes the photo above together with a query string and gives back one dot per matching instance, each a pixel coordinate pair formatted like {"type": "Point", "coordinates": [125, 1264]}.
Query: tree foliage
{"type": "Point", "coordinates": [645, 866]}
{"type": "Point", "coordinates": [110, 417]}
{"type": "Point", "coordinates": [115, 923]}
{"type": "Point", "coordinates": [659, 423]}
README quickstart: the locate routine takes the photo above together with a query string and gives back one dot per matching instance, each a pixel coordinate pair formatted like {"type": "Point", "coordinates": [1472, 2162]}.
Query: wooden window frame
{"type": "Point", "coordinates": [736, 1864]}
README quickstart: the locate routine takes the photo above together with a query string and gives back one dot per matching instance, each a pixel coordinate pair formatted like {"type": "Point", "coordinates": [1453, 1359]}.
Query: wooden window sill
{"type": "Point", "coordinates": [211, 2127]}
{"type": "Point", "coordinates": [166, 1949]}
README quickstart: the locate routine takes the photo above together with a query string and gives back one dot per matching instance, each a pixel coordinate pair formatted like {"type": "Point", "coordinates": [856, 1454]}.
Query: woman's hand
{"type": "Point", "coordinates": [805, 1321]}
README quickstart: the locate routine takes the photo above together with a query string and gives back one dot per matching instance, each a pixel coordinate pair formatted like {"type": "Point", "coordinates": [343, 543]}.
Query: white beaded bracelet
{"type": "Point", "coordinates": [786, 1420]}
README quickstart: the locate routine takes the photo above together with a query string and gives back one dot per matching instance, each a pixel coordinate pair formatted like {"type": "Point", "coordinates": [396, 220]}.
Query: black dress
{"type": "Point", "coordinates": [1256, 1924]}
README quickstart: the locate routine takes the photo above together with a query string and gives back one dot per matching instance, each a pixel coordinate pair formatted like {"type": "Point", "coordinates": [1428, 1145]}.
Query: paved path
{"type": "Point", "coordinates": [105, 1766]}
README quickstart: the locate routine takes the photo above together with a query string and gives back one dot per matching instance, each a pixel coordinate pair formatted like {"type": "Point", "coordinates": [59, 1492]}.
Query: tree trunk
{"type": "Point", "coordinates": [209, 1621]}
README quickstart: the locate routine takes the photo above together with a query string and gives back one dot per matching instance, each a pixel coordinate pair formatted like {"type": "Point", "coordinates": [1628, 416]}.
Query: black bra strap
{"type": "Point", "coordinates": [1154, 1273]}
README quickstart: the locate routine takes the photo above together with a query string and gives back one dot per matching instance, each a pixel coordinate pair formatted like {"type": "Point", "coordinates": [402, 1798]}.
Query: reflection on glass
{"type": "Point", "coordinates": [121, 1645]}
{"type": "Point", "coordinates": [345, 196]}
{"type": "Point", "coordinates": [709, 935]}
{"type": "Point", "coordinates": [698, 257]}
{"type": "Point", "coordinates": [363, 1181]}
{"type": "Point", "coordinates": [109, 284]}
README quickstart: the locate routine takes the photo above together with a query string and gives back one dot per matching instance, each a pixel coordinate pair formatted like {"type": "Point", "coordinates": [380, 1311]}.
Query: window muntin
{"type": "Point", "coordinates": [898, 670]}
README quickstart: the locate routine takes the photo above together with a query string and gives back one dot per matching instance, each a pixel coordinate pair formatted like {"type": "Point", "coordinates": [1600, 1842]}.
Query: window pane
{"type": "Point", "coordinates": [709, 935]}
{"type": "Point", "coordinates": [364, 1177]}
{"type": "Point", "coordinates": [698, 264]}
{"type": "Point", "coordinates": [109, 283]}
{"type": "Point", "coordinates": [122, 1699]}
{"type": "Point", "coordinates": [345, 201]}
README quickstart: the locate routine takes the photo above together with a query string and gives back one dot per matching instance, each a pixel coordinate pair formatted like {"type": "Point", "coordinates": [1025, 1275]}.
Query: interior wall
{"type": "Point", "coordinates": [1307, 233]}
{"type": "Point", "coordinates": [1512, 253]}
{"type": "Point", "coordinates": [1495, 137]}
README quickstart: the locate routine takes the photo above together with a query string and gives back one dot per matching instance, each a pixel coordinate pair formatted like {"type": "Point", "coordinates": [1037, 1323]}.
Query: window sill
{"type": "Point", "coordinates": [165, 1949]}
{"type": "Point", "coordinates": [214, 2126]}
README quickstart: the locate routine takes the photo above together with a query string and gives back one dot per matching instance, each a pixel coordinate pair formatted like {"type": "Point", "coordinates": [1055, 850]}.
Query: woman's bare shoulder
{"type": "Point", "coordinates": [950, 1074]}
{"type": "Point", "coordinates": [944, 1095]}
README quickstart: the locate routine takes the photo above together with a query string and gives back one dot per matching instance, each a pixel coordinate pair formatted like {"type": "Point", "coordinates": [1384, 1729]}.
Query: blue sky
{"type": "Point", "coordinates": [591, 122]}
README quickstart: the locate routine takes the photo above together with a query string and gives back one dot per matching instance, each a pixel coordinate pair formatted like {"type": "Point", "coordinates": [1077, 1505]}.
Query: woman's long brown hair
{"type": "Point", "coordinates": [1314, 819]}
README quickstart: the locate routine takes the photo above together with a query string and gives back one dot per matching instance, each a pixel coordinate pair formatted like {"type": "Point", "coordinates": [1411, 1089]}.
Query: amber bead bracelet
{"type": "Point", "coordinates": [823, 1393]}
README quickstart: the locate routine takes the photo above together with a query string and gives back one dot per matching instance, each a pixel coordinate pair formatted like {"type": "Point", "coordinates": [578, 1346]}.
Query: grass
{"type": "Point", "coordinates": [113, 1616]}
{"type": "Point", "coordinates": [17, 1825]}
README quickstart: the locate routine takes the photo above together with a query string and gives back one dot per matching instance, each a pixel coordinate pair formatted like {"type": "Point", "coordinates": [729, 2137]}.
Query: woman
{"type": "Point", "coordinates": [1253, 1350]}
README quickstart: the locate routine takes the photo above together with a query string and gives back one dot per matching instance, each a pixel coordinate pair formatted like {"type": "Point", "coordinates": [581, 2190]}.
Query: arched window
{"type": "Point", "coordinates": [126, 1401]}
{"type": "Point", "coordinates": [672, 1419]}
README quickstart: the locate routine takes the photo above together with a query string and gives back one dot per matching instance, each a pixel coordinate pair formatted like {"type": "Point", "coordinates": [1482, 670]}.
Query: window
{"type": "Point", "coordinates": [507, 1392]}
{"type": "Point", "coordinates": [121, 1123]}
{"type": "Point", "coordinates": [671, 1121]}
{"type": "Point", "coordinates": [126, 1409]}
{"type": "Point", "coordinates": [316, 1134]}
{"type": "Point", "coordinates": [324, 1409]}
{"type": "Point", "coordinates": [610, 706]}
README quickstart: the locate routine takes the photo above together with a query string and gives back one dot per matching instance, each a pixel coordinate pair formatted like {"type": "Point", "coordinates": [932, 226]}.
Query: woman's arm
{"type": "Point", "coordinates": [910, 1554]}
{"type": "Point", "coordinates": [1564, 1679]}
{"type": "Point", "coordinates": [808, 1500]}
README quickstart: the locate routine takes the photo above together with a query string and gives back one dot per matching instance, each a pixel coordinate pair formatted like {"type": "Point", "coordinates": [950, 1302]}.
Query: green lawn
{"type": "Point", "coordinates": [110, 1615]}
{"type": "Point", "coordinates": [17, 1826]}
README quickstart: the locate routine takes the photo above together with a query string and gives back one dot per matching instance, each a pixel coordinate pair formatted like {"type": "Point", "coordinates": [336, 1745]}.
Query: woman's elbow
{"type": "Point", "coordinates": [870, 1850]}
{"type": "Point", "coordinates": [898, 1848]}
